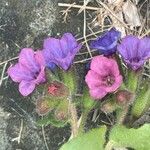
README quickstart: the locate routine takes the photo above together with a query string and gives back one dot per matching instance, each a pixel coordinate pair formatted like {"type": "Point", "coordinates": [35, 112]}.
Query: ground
{"type": "Point", "coordinates": [25, 23]}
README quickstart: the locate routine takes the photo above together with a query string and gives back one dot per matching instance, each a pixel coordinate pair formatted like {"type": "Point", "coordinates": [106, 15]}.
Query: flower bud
{"type": "Point", "coordinates": [57, 89]}
{"type": "Point", "coordinates": [42, 107]}
{"type": "Point", "coordinates": [61, 115]}
{"type": "Point", "coordinates": [124, 97]}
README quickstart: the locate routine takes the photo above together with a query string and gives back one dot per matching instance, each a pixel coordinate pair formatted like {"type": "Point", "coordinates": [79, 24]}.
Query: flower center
{"type": "Point", "coordinates": [135, 59]}
{"type": "Point", "coordinates": [109, 80]}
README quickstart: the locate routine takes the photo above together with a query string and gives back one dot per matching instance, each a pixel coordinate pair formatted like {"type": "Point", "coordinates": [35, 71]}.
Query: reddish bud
{"type": "Point", "coordinates": [124, 97]}
{"type": "Point", "coordinates": [58, 89]}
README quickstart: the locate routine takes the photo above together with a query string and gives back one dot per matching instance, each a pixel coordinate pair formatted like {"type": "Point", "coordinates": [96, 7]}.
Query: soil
{"type": "Point", "coordinates": [20, 26]}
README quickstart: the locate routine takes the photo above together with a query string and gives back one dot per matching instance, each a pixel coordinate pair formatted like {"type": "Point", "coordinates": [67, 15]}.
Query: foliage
{"type": "Point", "coordinates": [120, 136]}
{"type": "Point", "coordinates": [93, 139]}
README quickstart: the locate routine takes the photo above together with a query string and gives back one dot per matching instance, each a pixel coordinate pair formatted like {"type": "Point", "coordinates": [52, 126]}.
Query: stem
{"type": "Point", "coordinates": [74, 120]}
{"type": "Point", "coordinates": [133, 79]}
{"type": "Point", "coordinates": [109, 145]}
{"type": "Point", "coordinates": [121, 114]}
{"type": "Point", "coordinates": [83, 121]}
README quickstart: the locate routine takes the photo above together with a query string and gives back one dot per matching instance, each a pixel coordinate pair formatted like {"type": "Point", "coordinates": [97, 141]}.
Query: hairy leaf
{"type": "Point", "coordinates": [93, 140]}
{"type": "Point", "coordinates": [137, 139]}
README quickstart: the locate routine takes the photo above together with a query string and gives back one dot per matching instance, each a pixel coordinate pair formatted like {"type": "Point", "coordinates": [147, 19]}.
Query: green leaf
{"type": "Point", "coordinates": [50, 119]}
{"type": "Point", "coordinates": [137, 139]}
{"type": "Point", "coordinates": [93, 140]}
{"type": "Point", "coordinates": [142, 102]}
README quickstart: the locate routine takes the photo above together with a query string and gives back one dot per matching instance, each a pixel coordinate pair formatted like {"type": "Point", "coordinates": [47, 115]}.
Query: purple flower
{"type": "Point", "coordinates": [135, 51]}
{"type": "Point", "coordinates": [107, 43]}
{"type": "Point", "coordinates": [103, 77]}
{"type": "Point", "coordinates": [60, 51]}
{"type": "Point", "coordinates": [29, 71]}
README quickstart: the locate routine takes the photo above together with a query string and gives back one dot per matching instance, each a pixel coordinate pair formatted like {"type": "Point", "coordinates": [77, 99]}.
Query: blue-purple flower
{"type": "Point", "coordinates": [29, 71]}
{"type": "Point", "coordinates": [107, 43]}
{"type": "Point", "coordinates": [60, 51]}
{"type": "Point", "coordinates": [135, 51]}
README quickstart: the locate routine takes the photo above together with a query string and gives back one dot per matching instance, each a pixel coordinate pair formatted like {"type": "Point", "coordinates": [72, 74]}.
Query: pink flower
{"type": "Point", "coordinates": [103, 77]}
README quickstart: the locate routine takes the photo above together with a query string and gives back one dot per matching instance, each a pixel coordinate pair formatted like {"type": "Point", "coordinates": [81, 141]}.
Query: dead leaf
{"type": "Point", "coordinates": [117, 24]}
{"type": "Point", "coordinates": [117, 3]}
{"type": "Point", "coordinates": [131, 14]}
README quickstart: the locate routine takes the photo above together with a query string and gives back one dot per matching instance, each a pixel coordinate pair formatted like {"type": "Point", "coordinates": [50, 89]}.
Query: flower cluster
{"type": "Point", "coordinates": [103, 77]}
{"type": "Point", "coordinates": [30, 69]}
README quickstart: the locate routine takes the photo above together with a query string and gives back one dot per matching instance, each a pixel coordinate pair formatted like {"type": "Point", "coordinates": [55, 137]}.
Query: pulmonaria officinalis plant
{"type": "Point", "coordinates": [105, 88]}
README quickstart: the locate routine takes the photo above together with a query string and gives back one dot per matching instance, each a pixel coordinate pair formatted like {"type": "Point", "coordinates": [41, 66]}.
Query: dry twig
{"type": "Point", "coordinates": [44, 137]}
{"type": "Point", "coordinates": [18, 139]}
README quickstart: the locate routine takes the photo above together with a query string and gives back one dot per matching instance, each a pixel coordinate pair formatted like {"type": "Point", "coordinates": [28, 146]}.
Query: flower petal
{"type": "Point", "coordinates": [64, 63]}
{"type": "Point", "coordinates": [104, 66]}
{"type": "Point", "coordinates": [26, 88]}
{"type": "Point", "coordinates": [68, 43]}
{"type": "Point", "coordinates": [129, 47]}
{"type": "Point", "coordinates": [144, 48]}
{"type": "Point", "coordinates": [60, 51]}
{"type": "Point", "coordinates": [41, 76]}
{"type": "Point", "coordinates": [97, 93]}
{"type": "Point", "coordinates": [39, 58]}
{"type": "Point", "coordinates": [93, 79]}
{"type": "Point", "coordinates": [27, 58]}
{"type": "Point", "coordinates": [135, 65]}
{"type": "Point", "coordinates": [19, 73]}
{"type": "Point", "coordinates": [52, 48]}
{"type": "Point", "coordinates": [107, 43]}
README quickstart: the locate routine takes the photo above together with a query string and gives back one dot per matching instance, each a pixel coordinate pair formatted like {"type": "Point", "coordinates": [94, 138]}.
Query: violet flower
{"type": "Point", "coordinates": [29, 71]}
{"type": "Point", "coordinates": [135, 51]}
{"type": "Point", "coordinates": [104, 77]}
{"type": "Point", "coordinates": [60, 51]}
{"type": "Point", "coordinates": [107, 43]}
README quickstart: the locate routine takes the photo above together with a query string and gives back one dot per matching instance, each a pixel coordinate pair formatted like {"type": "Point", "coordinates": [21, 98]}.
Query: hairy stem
{"type": "Point", "coordinates": [121, 114]}
{"type": "Point", "coordinates": [74, 120]}
{"type": "Point", "coordinates": [83, 121]}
